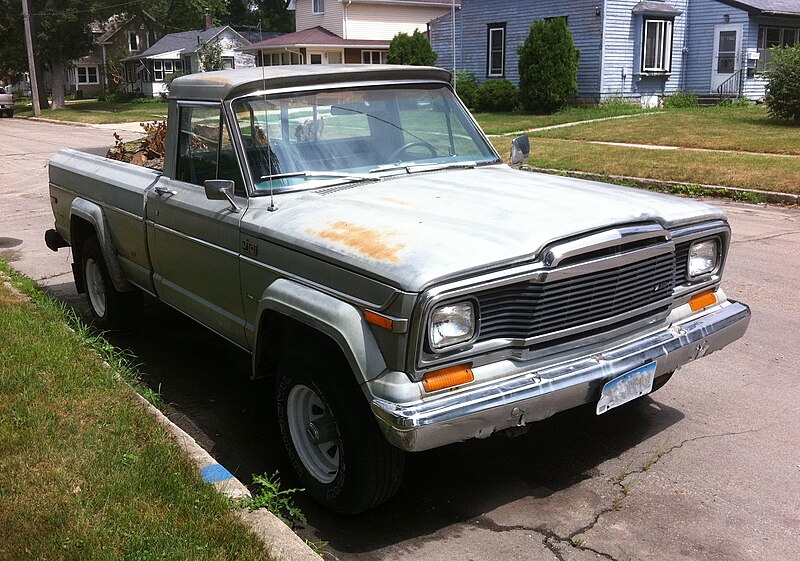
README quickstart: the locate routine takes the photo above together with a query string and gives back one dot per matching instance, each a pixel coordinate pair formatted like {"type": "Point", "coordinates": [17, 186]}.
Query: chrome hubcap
{"type": "Point", "coordinates": [95, 287]}
{"type": "Point", "coordinates": [313, 433]}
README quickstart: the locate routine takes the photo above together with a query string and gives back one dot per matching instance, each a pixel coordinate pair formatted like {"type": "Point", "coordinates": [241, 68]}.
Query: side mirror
{"type": "Point", "coordinates": [520, 150]}
{"type": "Point", "coordinates": [220, 190]}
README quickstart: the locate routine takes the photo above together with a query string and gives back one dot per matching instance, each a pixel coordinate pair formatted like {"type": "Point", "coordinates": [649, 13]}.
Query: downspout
{"type": "Point", "coordinates": [603, 54]}
{"type": "Point", "coordinates": [344, 27]}
{"type": "Point", "coordinates": [685, 50]}
{"type": "Point", "coordinates": [105, 71]}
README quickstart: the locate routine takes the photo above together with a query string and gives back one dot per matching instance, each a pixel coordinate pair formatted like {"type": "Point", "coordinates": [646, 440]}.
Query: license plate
{"type": "Point", "coordinates": [627, 387]}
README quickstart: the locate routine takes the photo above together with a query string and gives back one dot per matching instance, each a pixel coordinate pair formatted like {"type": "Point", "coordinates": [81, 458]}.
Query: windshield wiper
{"type": "Point", "coordinates": [413, 167]}
{"type": "Point", "coordinates": [319, 174]}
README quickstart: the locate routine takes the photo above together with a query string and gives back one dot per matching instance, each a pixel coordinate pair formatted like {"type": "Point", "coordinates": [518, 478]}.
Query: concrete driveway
{"type": "Point", "coordinates": [706, 468]}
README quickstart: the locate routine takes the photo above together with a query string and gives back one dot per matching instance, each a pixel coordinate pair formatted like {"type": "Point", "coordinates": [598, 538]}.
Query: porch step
{"type": "Point", "coordinates": [709, 99]}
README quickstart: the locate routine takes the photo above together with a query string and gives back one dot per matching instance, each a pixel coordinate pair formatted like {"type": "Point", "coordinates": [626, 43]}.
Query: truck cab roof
{"type": "Point", "coordinates": [228, 84]}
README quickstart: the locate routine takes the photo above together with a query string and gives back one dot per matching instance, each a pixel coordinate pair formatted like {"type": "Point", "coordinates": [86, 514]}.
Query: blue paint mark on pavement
{"type": "Point", "coordinates": [214, 473]}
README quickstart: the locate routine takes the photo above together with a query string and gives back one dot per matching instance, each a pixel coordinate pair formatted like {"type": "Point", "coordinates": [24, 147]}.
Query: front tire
{"type": "Point", "coordinates": [110, 309]}
{"type": "Point", "coordinates": [332, 439]}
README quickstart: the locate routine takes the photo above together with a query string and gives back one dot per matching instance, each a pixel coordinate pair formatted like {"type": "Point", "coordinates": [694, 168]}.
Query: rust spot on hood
{"type": "Point", "coordinates": [369, 243]}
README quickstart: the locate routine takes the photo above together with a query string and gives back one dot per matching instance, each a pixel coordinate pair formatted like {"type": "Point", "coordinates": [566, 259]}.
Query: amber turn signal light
{"type": "Point", "coordinates": [379, 320]}
{"type": "Point", "coordinates": [447, 377]}
{"type": "Point", "coordinates": [702, 300]}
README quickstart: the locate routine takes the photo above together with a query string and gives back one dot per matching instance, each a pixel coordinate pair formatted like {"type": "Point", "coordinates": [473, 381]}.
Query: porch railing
{"type": "Point", "coordinates": [732, 87]}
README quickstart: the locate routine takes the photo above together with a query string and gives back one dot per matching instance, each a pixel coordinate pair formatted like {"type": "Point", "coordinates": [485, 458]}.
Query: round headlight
{"type": "Point", "coordinates": [703, 257]}
{"type": "Point", "coordinates": [451, 324]}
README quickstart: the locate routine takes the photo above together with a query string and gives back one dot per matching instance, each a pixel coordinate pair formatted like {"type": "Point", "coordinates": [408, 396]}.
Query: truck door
{"type": "Point", "coordinates": [195, 241]}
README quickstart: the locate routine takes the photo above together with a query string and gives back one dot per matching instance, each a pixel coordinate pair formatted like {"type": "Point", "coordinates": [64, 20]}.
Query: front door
{"type": "Point", "coordinates": [727, 50]}
{"type": "Point", "coordinates": [196, 240]}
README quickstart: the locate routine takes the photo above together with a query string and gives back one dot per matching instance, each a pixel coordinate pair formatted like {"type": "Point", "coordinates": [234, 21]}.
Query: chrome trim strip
{"type": "Point", "coordinates": [198, 241]}
{"type": "Point", "coordinates": [601, 240]}
{"type": "Point", "coordinates": [527, 394]}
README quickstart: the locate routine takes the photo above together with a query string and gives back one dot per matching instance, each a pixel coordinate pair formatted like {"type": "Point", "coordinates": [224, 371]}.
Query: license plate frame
{"type": "Point", "coordinates": [626, 387]}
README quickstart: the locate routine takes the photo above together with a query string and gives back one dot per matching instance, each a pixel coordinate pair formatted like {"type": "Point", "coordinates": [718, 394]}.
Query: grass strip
{"type": "Point", "coordinates": [85, 473]}
{"type": "Point", "coordinates": [744, 171]}
{"type": "Point", "coordinates": [100, 112]}
{"type": "Point", "coordinates": [740, 128]}
{"type": "Point", "coordinates": [504, 123]}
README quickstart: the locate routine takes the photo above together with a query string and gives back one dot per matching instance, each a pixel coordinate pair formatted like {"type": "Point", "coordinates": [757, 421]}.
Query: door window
{"type": "Point", "coordinates": [205, 150]}
{"type": "Point", "coordinates": [726, 59]}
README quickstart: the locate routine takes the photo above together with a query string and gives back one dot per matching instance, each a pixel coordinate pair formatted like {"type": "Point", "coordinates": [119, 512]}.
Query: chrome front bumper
{"type": "Point", "coordinates": [539, 393]}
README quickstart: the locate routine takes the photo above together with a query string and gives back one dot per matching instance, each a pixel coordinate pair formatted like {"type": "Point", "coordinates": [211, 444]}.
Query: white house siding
{"type": "Point", "coordinates": [332, 19]}
{"type": "Point", "coordinates": [373, 21]}
{"type": "Point", "coordinates": [518, 16]}
{"type": "Point", "coordinates": [229, 42]}
{"type": "Point", "coordinates": [703, 16]}
{"type": "Point", "coordinates": [623, 44]}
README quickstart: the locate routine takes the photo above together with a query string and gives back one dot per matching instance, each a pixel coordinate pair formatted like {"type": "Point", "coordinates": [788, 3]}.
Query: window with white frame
{"type": "Point", "coordinates": [657, 45]}
{"type": "Point", "coordinates": [228, 63]}
{"type": "Point", "coordinates": [318, 6]}
{"type": "Point", "coordinates": [374, 57]}
{"type": "Point", "coordinates": [158, 71]}
{"type": "Point", "coordinates": [769, 37]}
{"type": "Point", "coordinates": [86, 75]}
{"type": "Point", "coordinates": [133, 41]}
{"type": "Point", "coordinates": [496, 56]}
{"type": "Point", "coordinates": [278, 59]}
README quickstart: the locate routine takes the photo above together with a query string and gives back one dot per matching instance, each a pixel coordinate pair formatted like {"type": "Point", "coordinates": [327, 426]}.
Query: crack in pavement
{"type": "Point", "coordinates": [769, 237]}
{"type": "Point", "coordinates": [549, 536]}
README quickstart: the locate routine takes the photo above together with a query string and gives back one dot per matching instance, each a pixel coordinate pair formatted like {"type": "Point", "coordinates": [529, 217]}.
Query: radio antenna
{"type": "Point", "coordinates": [271, 207]}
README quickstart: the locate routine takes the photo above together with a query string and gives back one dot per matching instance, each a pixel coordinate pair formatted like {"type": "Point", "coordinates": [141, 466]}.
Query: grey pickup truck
{"type": "Point", "coordinates": [353, 229]}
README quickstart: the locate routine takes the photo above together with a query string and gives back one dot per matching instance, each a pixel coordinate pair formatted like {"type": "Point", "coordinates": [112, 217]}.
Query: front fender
{"type": "Point", "coordinates": [340, 321]}
{"type": "Point", "coordinates": [93, 214]}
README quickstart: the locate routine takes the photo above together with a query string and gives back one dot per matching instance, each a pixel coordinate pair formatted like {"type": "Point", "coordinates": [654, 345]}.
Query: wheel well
{"type": "Point", "coordinates": [279, 334]}
{"type": "Point", "coordinates": [79, 230]}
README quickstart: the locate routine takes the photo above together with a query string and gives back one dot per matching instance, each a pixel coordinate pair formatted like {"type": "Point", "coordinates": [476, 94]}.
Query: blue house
{"type": "Point", "coordinates": [634, 49]}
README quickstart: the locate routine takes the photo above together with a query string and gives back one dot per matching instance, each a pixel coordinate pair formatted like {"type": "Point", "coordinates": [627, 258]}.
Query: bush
{"type": "Point", "coordinates": [783, 85]}
{"type": "Point", "coordinates": [412, 49]}
{"type": "Point", "coordinates": [466, 87]}
{"type": "Point", "coordinates": [680, 99]}
{"type": "Point", "coordinates": [496, 95]}
{"type": "Point", "coordinates": [548, 67]}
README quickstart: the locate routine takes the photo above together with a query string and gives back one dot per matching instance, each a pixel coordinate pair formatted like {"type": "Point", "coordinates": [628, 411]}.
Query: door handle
{"type": "Point", "coordinates": [164, 191]}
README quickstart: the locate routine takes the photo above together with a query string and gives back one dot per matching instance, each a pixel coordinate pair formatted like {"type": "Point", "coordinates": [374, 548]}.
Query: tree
{"type": "Point", "coordinates": [271, 15]}
{"type": "Point", "coordinates": [412, 49]}
{"type": "Point", "coordinates": [783, 85]}
{"type": "Point", "coordinates": [13, 59]}
{"type": "Point", "coordinates": [548, 66]}
{"type": "Point", "coordinates": [62, 35]}
{"type": "Point", "coordinates": [210, 56]}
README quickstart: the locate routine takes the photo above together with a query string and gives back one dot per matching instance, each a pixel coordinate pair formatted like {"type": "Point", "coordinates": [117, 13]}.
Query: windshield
{"type": "Point", "coordinates": [301, 141]}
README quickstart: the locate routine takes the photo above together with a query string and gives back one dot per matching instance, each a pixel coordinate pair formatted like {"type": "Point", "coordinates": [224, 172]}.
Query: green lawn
{"type": "Point", "coordinates": [745, 129]}
{"type": "Point", "coordinates": [85, 472]}
{"type": "Point", "coordinates": [770, 173]}
{"type": "Point", "coordinates": [503, 123]}
{"type": "Point", "coordinates": [99, 112]}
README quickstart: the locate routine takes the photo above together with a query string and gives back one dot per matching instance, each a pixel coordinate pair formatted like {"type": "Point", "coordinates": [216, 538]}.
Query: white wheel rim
{"type": "Point", "coordinates": [306, 414]}
{"type": "Point", "coordinates": [95, 287]}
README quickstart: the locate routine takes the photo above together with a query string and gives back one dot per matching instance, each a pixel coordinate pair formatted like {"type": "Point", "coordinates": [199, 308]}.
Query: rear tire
{"type": "Point", "coordinates": [332, 439]}
{"type": "Point", "coordinates": [110, 309]}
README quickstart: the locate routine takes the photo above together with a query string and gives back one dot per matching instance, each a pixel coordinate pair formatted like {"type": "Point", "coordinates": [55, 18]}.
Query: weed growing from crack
{"type": "Point", "coordinates": [276, 500]}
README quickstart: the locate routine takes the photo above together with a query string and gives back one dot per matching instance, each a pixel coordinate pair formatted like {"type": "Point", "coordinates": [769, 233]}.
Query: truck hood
{"type": "Point", "coordinates": [416, 230]}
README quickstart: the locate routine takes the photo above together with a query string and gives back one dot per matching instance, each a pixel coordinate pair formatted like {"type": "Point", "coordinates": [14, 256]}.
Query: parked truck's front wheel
{"type": "Point", "coordinates": [110, 308]}
{"type": "Point", "coordinates": [332, 439]}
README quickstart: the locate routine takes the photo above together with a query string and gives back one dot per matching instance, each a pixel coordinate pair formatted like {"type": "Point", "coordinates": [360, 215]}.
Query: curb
{"type": "Point", "coordinates": [772, 197]}
{"type": "Point", "coordinates": [279, 540]}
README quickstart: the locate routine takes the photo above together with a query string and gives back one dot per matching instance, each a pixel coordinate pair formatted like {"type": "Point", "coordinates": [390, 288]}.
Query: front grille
{"type": "Point", "coordinates": [682, 261]}
{"type": "Point", "coordinates": [530, 309]}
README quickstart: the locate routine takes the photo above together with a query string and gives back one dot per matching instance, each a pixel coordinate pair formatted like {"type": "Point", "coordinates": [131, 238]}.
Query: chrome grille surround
{"type": "Point", "coordinates": [608, 275]}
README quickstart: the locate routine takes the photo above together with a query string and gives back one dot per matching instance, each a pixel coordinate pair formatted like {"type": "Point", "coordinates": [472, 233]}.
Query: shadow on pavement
{"type": "Point", "coordinates": [205, 382]}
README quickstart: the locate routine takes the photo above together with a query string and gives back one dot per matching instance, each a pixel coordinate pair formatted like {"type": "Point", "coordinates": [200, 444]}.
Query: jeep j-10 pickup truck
{"type": "Point", "coordinates": [353, 229]}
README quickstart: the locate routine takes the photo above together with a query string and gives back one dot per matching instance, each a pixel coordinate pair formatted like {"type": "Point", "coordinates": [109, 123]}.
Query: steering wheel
{"type": "Point", "coordinates": [405, 147]}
